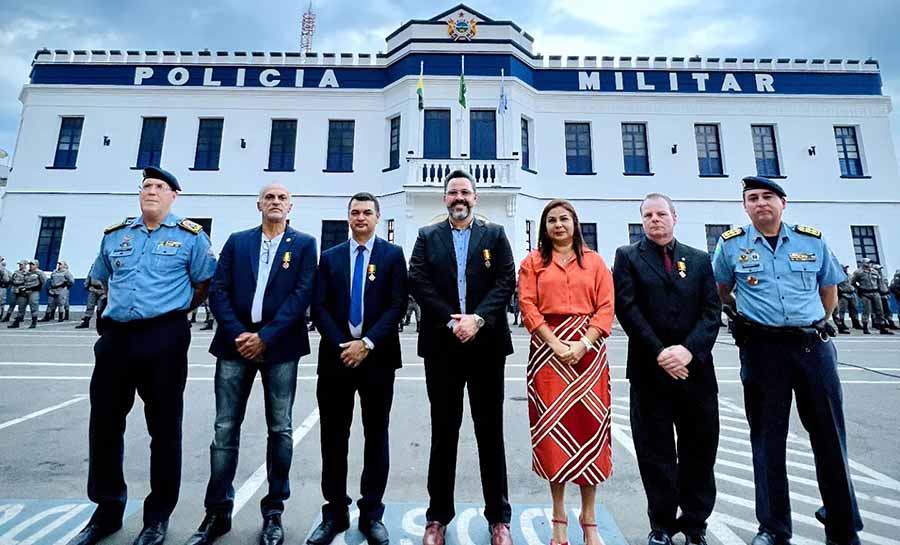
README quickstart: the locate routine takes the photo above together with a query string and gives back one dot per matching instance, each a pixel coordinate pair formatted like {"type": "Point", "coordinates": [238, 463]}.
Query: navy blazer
{"type": "Point", "coordinates": [384, 305]}
{"type": "Point", "coordinates": [659, 309]}
{"type": "Point", "coordinates": [490, 284]}
{"type": "Point", "coordinates": [287, 296]}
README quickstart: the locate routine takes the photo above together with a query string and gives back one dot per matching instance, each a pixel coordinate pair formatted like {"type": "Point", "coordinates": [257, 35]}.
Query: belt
{"type": "Point", "coordinates": [113, 325]}
{"type": "Point", "coordinates": [816, 329]}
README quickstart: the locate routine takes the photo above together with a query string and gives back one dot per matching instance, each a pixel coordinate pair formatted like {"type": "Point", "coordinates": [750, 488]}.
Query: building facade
{"type": "Point", "coordinates": [601, 132]}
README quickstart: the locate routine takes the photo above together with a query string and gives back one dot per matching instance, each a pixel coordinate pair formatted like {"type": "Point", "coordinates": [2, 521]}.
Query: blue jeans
{"type": "Point", "coordinates": [233, 382]}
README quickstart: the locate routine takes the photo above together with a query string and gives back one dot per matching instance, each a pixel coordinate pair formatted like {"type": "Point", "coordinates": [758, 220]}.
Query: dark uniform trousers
{"type": "Point", "coordinates": [466, 367]}
{"type": "Point", "coordinates": [772, 367]}
{"type": "Point", "coordinates": [676, 474]}
{"type": "Point", "coordinates": [336, 394]}
{"type": "Point", "coordinates": [148, 357]}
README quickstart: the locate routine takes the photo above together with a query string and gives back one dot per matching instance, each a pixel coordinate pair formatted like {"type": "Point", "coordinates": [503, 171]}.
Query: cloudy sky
{"type": "Point", "coordinates": [715, 28]}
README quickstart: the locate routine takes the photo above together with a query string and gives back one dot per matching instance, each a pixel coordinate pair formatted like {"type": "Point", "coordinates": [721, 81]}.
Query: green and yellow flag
{"type": "Point", "coordinates": [420, 87]}
{"type": "Point", "coordinates": [462, 83]}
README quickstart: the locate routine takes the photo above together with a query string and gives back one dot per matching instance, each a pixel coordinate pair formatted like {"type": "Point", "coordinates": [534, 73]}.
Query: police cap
{"type": "Point", "coordinates": [760, 182]}
{"type": "Point", "coordinates": [162, 175]}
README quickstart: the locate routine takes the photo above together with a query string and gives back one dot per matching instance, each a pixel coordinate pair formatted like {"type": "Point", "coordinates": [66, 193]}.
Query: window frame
{"type": "Point", "coordinates": [394, 155]}
{"type": "Point", "coordinates": [842, 152]}
{"type": "Point", "coordinates": [217, 144]}
{"type": "Point", "coordinates": [713, 240]}
{"type": "Point", "coordinates": [53, 241]}
{"type": "Point", "coordinates": [339, 159]}
{"type": "Point", "coordinates": [154, 154]}
{"type": "Point", "coordinates": [859, 245]}
{"type": "Point", "coordinates": [779, 170]}
{"type": "Point", "coordinates": [632, 168]}
{"type": "Point", "coordinates": [328, 239]}
{"type": "Point", "coordinates": [492, 151]}
{"type": "Point", "coordinates": [635, 232]}
{"type": "Point", "coordinates": [70, 154]}
{"type": "Point", "coordinates": [717, 132]}
{"type": "Point", "coordinates": [426, 153]}
{"type": "Point", "coordinates": [579, 168]}
{"type": "Point", "coordinates": [282, 166]}
{"type": "Point", "coordinates": [589, 234]}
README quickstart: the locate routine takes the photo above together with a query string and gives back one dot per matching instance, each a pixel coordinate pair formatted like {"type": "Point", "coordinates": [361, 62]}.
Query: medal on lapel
{"type": "Point", "coordinates": [371, 272]}
{"type": "Point", "coordinates": [487, 257]}
{"type": "Point", "coordinates": [752, 280]}
{"type": "Point", "coordinates": [286, 260]}
{"type": "Point", "coordinates": [682, 268]}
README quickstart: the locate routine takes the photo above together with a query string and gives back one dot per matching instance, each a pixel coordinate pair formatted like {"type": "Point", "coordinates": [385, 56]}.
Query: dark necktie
{"type": "Point", "coordinates": [357, 288]}
{"type": "Point", "coordinates": [667, 261]}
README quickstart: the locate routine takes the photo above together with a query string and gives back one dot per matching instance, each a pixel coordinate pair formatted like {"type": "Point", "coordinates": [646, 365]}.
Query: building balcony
{"type": "Point", "coordinates": [489, 174]}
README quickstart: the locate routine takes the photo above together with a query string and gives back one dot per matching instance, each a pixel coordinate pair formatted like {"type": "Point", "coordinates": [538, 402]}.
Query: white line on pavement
{"type": "Point", "coordinates": [251, 485]}
{"type": "Point", "coordinates": [42, 412]}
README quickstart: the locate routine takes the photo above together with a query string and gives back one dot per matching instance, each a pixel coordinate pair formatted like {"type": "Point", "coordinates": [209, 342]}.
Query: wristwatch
{"type": "Point", "coordinates": [479, 321]}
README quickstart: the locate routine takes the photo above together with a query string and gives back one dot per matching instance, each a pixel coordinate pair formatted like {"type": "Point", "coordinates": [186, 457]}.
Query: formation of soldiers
{"type": "Point", "coordinates": [869, 286]}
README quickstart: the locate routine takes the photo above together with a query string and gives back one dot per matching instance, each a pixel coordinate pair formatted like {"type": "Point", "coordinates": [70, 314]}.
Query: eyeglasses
{"type": "Point", "coordinates": [158, 187]}
{"type": "Point", "coordinates": [463, 192]}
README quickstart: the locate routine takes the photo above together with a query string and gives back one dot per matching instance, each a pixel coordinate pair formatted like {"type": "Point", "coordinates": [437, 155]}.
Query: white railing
{"type": "Point", "coordinates": [487, 172]}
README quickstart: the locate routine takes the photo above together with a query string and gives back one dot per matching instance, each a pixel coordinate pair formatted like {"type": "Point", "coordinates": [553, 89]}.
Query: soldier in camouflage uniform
{"type": "Point", "coordinates": [28, 294]}
{"type": "Point", "coordinates": [885, 291]}
{"type": "Point", "coordinates": [866, 282]}
{"type": "Point", "coordinates": [5, 279]}
{"type": "Point", "coordinates": [58, 292]}
{"type": "Point", "coordinates": [846, 301]}
{"type": "Point", "coordinates": [16, 281]}
{"type": "Point", "coordinates": [96, 294]}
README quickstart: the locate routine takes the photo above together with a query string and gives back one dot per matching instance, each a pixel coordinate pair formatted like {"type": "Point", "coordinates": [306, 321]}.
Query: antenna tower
{"type": "Point", "coordinates": [307, 29]}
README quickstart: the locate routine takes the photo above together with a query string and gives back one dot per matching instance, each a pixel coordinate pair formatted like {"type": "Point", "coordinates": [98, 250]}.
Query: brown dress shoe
{"type": "Point", "coordinates": [500, 534]}
{"type": "Point", "coordinates": [434, 533]}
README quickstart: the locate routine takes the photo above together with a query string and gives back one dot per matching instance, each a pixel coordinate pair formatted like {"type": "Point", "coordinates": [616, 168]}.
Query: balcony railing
{"type": "Point", "coordinates": [487, 172]}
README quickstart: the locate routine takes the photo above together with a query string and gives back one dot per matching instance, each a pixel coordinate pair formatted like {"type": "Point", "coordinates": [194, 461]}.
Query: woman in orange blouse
{"type": "Point", "coordinates": [566, 299]}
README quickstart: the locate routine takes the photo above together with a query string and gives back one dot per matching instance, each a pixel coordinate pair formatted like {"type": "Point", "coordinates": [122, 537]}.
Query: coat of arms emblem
{"type": "Point", "coordinates": [460, 28]}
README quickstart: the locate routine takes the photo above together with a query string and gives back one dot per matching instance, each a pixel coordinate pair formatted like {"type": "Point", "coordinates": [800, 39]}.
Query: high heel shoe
{"type": "Point", "coordinates": [557, 521]}
{"type": "Point", "coordinates": [584, 528]}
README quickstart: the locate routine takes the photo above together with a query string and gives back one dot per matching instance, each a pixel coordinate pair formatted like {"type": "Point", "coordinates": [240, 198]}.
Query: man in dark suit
{"type": "Point", "coordinates": [666, 302]}
{"type": "Point", "coordinates": [462, 274]}
{"type": "Point", "coordinates": [259, 296]}
{"type": "Point", "coordinates": [360, 298]}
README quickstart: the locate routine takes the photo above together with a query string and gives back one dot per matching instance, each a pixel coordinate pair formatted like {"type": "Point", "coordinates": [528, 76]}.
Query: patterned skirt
{"type": "Point", "coordinates": [569, 409]}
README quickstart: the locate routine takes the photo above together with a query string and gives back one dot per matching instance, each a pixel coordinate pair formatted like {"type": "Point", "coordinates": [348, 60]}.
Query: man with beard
{"type": "Point", "coordinates": [462, 274]}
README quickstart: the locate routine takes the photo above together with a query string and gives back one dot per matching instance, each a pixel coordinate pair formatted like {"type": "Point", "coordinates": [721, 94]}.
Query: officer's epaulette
{"type": "Point", "coordinates": [731, 233]}
{"type": "Point", "coordinates": [190, 226]}
{"type": "Point", "coordinates": [805, 230]}
{"type": "Point", "coordinates": [116, 227]}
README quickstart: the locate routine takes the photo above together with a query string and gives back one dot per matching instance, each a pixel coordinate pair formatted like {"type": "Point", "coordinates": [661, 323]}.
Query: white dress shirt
{"type": "Point", "coordinates": [356, 331]}
{"type": "Point", "coordinates": [267, 250]}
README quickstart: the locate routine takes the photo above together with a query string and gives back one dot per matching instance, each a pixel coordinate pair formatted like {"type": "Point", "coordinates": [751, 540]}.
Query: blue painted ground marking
{"type": "Point", "coordinates": [46, 522]}
{"type": "Point", "coordinates": [530, 525]}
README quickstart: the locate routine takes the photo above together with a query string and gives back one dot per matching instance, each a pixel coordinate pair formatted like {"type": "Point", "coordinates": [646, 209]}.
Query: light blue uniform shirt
{"type": "Point", "coordinates": [151, 273]}
{"type": "Point", "coordinates": [781, 287]}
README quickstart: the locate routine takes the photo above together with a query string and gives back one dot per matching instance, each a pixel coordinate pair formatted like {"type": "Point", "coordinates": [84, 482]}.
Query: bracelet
{"type": "Point", "coordinates": [587, 344]}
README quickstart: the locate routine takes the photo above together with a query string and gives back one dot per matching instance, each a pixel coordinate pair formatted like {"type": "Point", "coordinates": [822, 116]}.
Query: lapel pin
{"type": "Point", "coordinates": [682, 268]}
{"type": "Point", "coordinates": [286, 260]}
{"type": "Point", "coordinates": [371, 272]}
{"type": "Point", "coordinates": [487, 257]}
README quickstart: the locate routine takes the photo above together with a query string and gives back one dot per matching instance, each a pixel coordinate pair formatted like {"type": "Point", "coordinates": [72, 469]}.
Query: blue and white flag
{"type": "Point", "coordinates": [504, 99]}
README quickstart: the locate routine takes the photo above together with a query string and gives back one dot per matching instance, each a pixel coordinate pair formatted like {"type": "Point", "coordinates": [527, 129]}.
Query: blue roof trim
{"type": "Point", "coordinates": [542, 79]}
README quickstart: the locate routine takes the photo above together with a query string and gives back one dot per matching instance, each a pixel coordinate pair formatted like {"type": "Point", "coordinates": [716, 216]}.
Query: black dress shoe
{"type": "Point", "coordinates": [94, 532]}
{"type": "Point", "coordinates": [658, 537]}
{"type": "Point", "coordinates": [695, 538]}
{"type": "Point", "coordinates": [152, 534]}
{"type": "Point", "coordinates": [766, 538]}
{"type": "Point", "coordinates": [375, 532]}
{"type": "Point", "coordinates": [272, 531]}
{"type": "Point", "coordinates": [326, 531]}
{"type": "Point", "coordinates": [214, 525]}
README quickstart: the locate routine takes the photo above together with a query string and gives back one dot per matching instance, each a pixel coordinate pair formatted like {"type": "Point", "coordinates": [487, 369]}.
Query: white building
{"type": "Point", "coordinates": [601, 132]}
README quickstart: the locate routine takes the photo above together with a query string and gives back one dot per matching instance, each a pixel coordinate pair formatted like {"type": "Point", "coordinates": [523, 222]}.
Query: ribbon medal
{"type": "Point", "coordinates": [752, 280]}
{"type": "Point", "coordinates": [286, 260]}
{"type": "Point", "coordinates": [487, 257]}
{"type": "Point", "coordinates": [682, 268]}
{"type": "Point", "coordinates": [371, 272]}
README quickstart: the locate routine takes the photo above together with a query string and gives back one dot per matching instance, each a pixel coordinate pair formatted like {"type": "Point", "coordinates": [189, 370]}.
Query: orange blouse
{"type": "Point", "coordinates": [567, 290]}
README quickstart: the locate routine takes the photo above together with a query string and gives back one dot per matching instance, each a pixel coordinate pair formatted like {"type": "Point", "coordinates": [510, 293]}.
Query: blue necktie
{"type": "Point", "coordinates": [357, 288]}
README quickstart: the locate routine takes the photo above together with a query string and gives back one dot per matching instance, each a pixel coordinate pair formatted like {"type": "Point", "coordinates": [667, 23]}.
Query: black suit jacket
{"type": "Point", "coordinates": [286, 298]}
{"type": "Point", "coordinates": [489, 285]}
{"type": "Point", "coordinates": [384, 305]}
{"type": "Point", "coordinates": [658, 309]}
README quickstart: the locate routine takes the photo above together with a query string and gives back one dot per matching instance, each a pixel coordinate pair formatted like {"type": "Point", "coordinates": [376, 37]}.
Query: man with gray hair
{"type": "Point", "coordinates": [261, 312]}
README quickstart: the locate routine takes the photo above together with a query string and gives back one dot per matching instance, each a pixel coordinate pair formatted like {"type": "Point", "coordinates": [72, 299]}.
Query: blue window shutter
{"type": "Point", "coordinates": [483, 134]}
{"type": "Point", "coordinates": [437, 134]}
{"type": "Point", "coordinates": [152, 134]}
{"type": "Point", "coordinates": [68, 143]}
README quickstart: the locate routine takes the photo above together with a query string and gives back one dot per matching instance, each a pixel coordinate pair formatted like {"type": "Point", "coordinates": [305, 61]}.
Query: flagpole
{"type": "Point", "coordinates": [502, 116]}
{"type": "Point", "coordinates": [459, 122]}
{"type": "Point", "coordinates": [420, 138]}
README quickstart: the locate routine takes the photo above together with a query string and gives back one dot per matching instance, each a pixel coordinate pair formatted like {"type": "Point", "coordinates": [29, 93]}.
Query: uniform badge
{"type": "Point", "coordinates": [803, 257]}
{"type": "Point", "coordinates": [682, 268]}
{"type": "Point", "coordinates": [286, 260]}
{"type": "Point", "coordinates": [487, 257]}
{"type": "Point", "coordinates": [171, 244]}
{"type": "Point", "coordinates": [744, 258]}
{"type": "Point", "coordinates": [371, 272]}
{"type": "Point", "coordinates": [752, 280]}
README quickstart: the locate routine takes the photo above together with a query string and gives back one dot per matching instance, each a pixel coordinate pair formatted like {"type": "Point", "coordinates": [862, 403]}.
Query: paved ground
{"type": "Point", "coordinates": [43, 450]}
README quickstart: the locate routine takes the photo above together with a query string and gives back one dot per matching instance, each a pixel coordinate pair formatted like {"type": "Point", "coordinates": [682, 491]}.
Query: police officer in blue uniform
{"type": "Point", "coordinates": [157, 268]}
{"type": "Point", "coordinates": [784, 279]}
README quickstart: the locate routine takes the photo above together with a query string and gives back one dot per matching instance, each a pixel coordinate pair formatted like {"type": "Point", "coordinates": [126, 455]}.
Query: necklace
{"type": "Point", "coordinates": [564, 259]}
